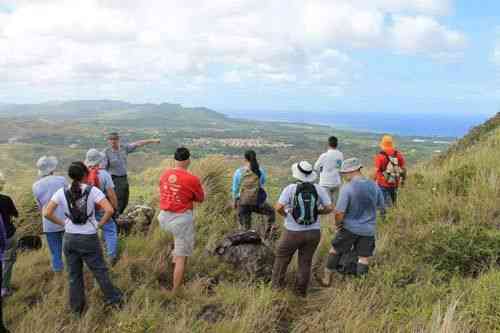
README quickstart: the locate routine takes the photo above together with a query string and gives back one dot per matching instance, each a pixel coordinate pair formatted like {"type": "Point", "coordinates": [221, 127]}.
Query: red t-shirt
{"type": "Point", "coordinates": [178, 190]}
{"type": "Point", "coordinates": [381, 162]}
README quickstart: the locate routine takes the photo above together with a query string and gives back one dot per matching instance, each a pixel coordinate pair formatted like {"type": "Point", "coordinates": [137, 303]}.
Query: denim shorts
{"type": "Point", "coordinates": [181, 226]}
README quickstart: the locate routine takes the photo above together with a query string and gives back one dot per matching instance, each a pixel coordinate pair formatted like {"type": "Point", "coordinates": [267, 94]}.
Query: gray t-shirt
{"type": "Point", "coordinates": [43, 190]}
{"type": "Point", "coordinates": [286, 199]}
{"type": "Point", "coordinates": [359, 200]}
{"type": "Point", "coordinates": [116, 160]}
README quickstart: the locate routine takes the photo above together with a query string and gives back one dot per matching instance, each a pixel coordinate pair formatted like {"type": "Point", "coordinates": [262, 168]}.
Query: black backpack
{"type": "Point", "coordinates": [78, 208]}
{"type": "Point", "coordinates": [305, 204]}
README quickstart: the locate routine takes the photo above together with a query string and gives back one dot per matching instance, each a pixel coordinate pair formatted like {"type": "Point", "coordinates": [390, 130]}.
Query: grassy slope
{"type": "Point", "coordinates": [435, 268]}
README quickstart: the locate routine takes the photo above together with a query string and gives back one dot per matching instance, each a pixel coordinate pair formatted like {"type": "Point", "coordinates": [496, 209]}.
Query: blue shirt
{"type": "Point", "coordinates": [286, 199]}
{"type": "Point", "coordinates": [237, 181]}
{"type": "Point", "coordinates": [359, 200]}
{"type": "Point", "coordinates": [116, 160]}
{"type": "Point", "coordinates": [43, 190]}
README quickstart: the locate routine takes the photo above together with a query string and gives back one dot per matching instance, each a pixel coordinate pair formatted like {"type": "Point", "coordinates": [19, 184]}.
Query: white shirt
{"type": "Point", "coordinates": [89, 228]}
{"type": "Point", "coordinates": [328, 166]}
{"type": "Point", "coordinates": [286, 199]}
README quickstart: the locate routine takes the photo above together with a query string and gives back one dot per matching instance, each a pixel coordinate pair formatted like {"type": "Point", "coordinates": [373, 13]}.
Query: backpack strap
{"type": "Point", "coordinates": [69, 202]}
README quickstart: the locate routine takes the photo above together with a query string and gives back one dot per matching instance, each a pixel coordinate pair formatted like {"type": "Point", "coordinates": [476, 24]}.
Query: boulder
{"type": "Point", "coordinates": [246, 252]}
{"type": "Point", "coordinates": [135, 219]}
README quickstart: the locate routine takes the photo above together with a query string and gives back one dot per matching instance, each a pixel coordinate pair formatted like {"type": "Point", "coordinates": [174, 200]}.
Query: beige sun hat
{"type": "Point", "coordinates": [94, 157]}
{"type": "Point", "coordinates": [351, 165]}
{"type": "Point", "coordinates": [304, 172]}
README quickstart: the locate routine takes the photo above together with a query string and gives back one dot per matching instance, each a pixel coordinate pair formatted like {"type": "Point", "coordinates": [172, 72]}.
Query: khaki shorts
{"type": "Point", "coordinates": [333, 192]}
{"type": "Point", "coordinates": [181, 225]}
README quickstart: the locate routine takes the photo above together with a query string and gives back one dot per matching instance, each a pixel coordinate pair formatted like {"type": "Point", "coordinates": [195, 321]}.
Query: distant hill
{"type": "Point", "coordinates": [121, 113]}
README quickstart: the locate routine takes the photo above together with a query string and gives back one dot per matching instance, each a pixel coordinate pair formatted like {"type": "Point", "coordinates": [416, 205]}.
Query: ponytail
{"type": "Point", "coordinates": [251, 157]}
{"type": "Point", "coordinates": [77, 172]}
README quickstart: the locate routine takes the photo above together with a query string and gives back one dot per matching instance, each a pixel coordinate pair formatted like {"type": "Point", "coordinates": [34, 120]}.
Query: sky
{"type": "Point", "coordinates": [395, 56]}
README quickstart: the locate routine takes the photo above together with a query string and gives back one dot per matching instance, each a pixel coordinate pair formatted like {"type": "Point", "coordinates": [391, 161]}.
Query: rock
{"type": "Point", "coordinates": [211, 313]}
{"type": "Point", "coordinates": [29, 243]}
{"type": "Point", "coordinates": [136, 219]}
{"type": "Point", "coordinates": [246, 252]}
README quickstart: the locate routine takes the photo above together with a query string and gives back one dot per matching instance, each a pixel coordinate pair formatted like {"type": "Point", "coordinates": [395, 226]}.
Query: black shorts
{"type": "Point", "coordinates": [345, 240]}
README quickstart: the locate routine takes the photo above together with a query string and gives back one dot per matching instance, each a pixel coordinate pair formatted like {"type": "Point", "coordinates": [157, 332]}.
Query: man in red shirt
{"type": "Point", "coordinates": [179, 189]}
{"type": "Point", "coordinates": [390, 170]}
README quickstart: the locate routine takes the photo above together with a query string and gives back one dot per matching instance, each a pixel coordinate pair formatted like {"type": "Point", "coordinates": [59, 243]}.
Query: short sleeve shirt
{"type": "Point", "coordinates": [116, 160]}
{"type": "Point", "coordinates": [89, 228]}
{"type": "Point", "coordinates": [178, 190]}
{"type": "Point", "coordinates": [328, 166]}
{"type": "Point", "coordinates": [286, 199]}
{"type": "Point", "coordinates": [43, 190]}
{"type": "Point", "coordinates": [359, 200]}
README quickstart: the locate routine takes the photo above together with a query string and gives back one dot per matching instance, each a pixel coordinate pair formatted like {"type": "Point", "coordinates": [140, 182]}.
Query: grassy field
{"type": "Point", "coordinates": [435, 269]}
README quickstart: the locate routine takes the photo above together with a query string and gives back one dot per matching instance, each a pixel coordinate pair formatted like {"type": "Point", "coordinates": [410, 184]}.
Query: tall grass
{"type": "Point", "coordinates": [435, 269]}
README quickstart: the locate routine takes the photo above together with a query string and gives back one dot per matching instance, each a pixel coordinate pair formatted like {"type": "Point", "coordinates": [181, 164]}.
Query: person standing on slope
{"type": "Point", "coordinates": [116, 164]}
{"type": "Point", "coordinates": [8, 211]}
{"type": "Point", "coordinates": [300, 204]}
{"type": "Point", "coordinates": [249, 195]}
{"type": "Point", "coordinates": [81, 242]}
{"type": "Point", "coordinates": [179, 189]}
{"type": "Point", "coordinates": [43, 190]}
{"type": "Point", "coordinates": [390, 172]}
{"type": "Point", "coordinates": [328, 166]}
{"type": "Point", "coordinates": [101, 179]}
{"type": "Point", "coordinates": [355, 219]}
{"type": "Point", "coordinates": [3, 242]}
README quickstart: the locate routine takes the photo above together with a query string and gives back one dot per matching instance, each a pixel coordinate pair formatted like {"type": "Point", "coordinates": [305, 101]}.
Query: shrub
{"type": "Point", "coordinates": [464, 250]}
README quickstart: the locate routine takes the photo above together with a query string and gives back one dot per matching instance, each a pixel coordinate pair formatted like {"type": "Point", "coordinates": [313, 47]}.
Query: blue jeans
{"type": "Point", "coordinates": [110, 235]}
{"type": "Point", "coordinates": [55, 241]}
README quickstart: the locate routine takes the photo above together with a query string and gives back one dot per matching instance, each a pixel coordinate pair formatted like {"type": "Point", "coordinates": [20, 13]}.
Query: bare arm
{"type": "Point", "coordinates": [49, 213]}
{"type": "Point", "coordinates": [325, 210]}
{"type": "Point", "coordinates": [339, 220]}
{"type": "Point", "coordinates": [111, 195]}
{"type": "Point", "coordinates": [280, 209]}
{"type": "Point", "coordinates": [142, 143]}
{"type": "Point", "coordinates": [108, 211]}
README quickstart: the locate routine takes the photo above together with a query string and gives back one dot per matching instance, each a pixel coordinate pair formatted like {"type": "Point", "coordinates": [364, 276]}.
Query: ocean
{"type": "Point", "coordinates": [429, 125]}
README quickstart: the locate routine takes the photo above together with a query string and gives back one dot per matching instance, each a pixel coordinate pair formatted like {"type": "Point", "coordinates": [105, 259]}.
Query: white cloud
{"type": "Point", "coordinates": [422, 34]}
{"type": "Point", "coordinates": [199, 42]}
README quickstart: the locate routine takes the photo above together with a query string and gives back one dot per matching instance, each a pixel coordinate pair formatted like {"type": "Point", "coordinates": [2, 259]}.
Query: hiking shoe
{"type": "Point", "coordinates": [6, 292]}
{"type": "Point", "coordinates": [113, 261]}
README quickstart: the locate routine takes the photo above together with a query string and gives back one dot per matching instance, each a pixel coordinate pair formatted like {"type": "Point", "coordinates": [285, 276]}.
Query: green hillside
{"type": "Point", "coordinates": [435, 270]}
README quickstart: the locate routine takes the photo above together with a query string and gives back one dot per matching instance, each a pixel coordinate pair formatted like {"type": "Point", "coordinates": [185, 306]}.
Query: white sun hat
{"type": "Point", "coordinates": [304, 172]}
{"type": "Point", "coordinates": [46, 165]}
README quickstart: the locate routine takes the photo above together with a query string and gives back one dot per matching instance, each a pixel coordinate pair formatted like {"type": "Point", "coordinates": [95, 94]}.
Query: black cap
{"type": "Point", "coordinates": [182, 154]}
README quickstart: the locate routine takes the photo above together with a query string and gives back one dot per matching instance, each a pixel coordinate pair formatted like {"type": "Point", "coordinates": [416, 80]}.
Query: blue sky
{"type": "Point", "coordinates": [401, 56]}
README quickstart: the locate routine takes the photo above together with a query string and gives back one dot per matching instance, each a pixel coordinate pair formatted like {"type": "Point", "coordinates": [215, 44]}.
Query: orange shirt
{"type": "Point", "coordinates": [178, 190]}
{"type": "Point", "coordinates": [381, 162]}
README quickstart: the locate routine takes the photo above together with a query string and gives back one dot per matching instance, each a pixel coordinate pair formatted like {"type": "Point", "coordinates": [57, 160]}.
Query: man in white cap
{"type": "Point", "coordinates": [9, 212]}
{"type": "Point", "coordinates": [101, 179]}
{"type": "Point", "coordinates": [300, 204]}
{"type": "Point", "coordinates": [43, 190]}
{"type": "Point", "coordinates": [355, 219]}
